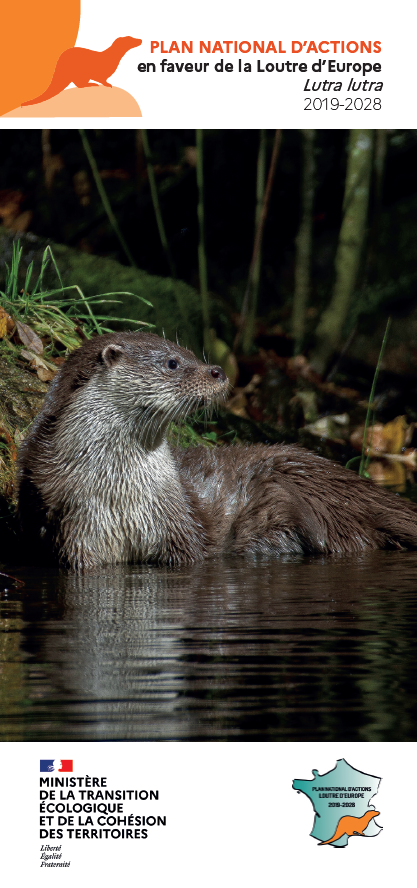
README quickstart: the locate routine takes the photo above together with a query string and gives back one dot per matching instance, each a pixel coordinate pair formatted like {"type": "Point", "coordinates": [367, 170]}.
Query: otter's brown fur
{"type": "Point", "coordinates": [100, 484]}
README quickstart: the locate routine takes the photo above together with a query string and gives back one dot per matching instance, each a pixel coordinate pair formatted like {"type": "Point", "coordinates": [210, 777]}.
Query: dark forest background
{"type": "Point", "coordinates": [47, 187]}
{"type": "Point", "coordinates": [281, 254]}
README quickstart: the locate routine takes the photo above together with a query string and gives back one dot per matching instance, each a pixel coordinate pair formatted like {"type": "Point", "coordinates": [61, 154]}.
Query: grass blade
{"type": "Point", "coordinates": [104, 199]}
{"type": "Point", "coordinates": [365, 458]}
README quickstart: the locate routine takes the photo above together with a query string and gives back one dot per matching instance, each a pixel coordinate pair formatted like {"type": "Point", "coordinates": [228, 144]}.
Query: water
{"type": "Point", "coordinates": [291, 650]}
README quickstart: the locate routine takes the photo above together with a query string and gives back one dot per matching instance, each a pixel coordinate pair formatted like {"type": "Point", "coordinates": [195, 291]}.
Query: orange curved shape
{"type": "Point", "coordinates": [99, 102]}
{"type": "Point", "coordinates": [33, 36]}
{"type": "Point", "coordinates": [78, 65]}
{"type": "Point", "coordinates": [350, 826]}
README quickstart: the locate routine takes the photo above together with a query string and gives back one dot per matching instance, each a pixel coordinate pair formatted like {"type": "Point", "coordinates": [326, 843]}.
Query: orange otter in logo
{"type": "Point", "coordinates": [351, 826]}
{"type": "Point", "coordinates": [79, 66]}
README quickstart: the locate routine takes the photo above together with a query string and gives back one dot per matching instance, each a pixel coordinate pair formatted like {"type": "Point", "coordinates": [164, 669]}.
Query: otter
{"type": "Point", "coordinates": [78, 65]}
{"type": "Point", "coordinates": [351, 826]}
{"type": "Point", "coordinates": [100, 484]}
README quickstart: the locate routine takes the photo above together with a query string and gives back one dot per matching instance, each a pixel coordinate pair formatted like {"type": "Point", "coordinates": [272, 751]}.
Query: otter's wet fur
{"type": "Point", "coordinates": [99, 483]}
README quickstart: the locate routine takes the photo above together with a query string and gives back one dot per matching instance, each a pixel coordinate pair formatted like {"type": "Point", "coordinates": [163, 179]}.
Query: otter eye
{"type": "Point", "coordinates": [172, 364]}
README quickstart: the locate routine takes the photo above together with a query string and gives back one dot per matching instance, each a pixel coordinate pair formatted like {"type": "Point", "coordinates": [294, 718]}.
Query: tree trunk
{"type": "Point", "coordinates": [258, 236]}
{"type": "Point", "coordinates": [352, 232]}
{"type": "Point", "coordinates": [202, 259]}
{"type": "Point", "coordinates": [303, 242]}
{"type": "Point", "coordinates": [380, 154]}
{"type": "Point", "coordinates": [248, 333]}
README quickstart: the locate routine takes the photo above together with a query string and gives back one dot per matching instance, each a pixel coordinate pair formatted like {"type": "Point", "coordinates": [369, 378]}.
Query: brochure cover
{"type": "Point", "coordinates": [208, 443]}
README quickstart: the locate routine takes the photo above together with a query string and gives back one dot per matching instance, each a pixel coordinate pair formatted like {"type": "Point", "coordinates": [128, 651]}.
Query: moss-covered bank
{"type": "Point", "coordinates": [97, 275]}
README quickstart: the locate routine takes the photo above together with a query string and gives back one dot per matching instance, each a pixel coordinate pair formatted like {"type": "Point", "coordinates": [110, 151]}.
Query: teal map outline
{"type": "Point", "coordinates": [348, 792]}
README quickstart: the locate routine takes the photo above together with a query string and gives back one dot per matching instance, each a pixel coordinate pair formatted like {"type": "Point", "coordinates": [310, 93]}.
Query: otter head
{"type": "Point", "coordinates": [127, 42]}
{"type": "Point", "coordinates": [145, 382]}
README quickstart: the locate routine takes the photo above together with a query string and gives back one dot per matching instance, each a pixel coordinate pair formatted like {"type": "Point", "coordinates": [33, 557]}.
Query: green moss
{"type": "Point", "coordinates": [95, 275]}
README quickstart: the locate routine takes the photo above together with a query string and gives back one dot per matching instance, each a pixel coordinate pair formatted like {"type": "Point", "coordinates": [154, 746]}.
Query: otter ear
{"type": "Point", "coordinates": [111, 354]}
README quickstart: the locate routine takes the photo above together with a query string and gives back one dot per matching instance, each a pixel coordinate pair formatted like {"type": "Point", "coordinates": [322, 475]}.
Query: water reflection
{"type": "Point", "coordinates": [298, 649]}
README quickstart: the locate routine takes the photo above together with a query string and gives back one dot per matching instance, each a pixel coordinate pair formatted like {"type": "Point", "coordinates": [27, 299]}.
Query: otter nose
{"type": "Point", "coordinates": [218, 373]}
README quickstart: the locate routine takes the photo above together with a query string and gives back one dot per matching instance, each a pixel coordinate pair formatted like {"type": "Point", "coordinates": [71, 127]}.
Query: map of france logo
{"type": "Point", "coordinates": [60, 765]}
{"type": "Point", "coordinates": [341, 799]}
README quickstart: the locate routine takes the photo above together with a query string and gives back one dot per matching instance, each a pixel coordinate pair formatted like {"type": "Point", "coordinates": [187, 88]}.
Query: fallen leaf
{"type": "Point", "coordinates": [375, 435]}
{"type": "Point", "coordinates": [394, 435]}
{"type": "Point", "coordinates": [253, 384]}
{"type": "Point", "coordinates": [410, 457]}
{"type": "Point", "coordinates": [238, 404]}
{"type": "Point", "coordinates": [329, 427]}
{"type": "Point", "coordinates": [388, 474]}
{"type": "Point", "coordinates": [4, 433]}
{"type": "Point", "coordinates": [10, 206]}
{"type": "Point", "coordinates": [382, 439]}
{"type": "Point", "coordinates": [22, 221]}
{"type": "Point", "coordinates": [7, 323]}
{"type": "Point", "coordinates": [44, 374]}
{"type": "Point", "coordinates": [43, 369]}
{"type": "Point", "coordinates": [29, 337]}
{"type": "Point", "coordinates": [3, 324]}
{"type": "Point", "coordinates": [28, 356]}
{"type": "Point", "coordinates": [376, 438]}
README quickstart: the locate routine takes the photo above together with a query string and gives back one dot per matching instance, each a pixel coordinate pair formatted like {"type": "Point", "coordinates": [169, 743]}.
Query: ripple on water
{"type": "Point", "coordinates": [291, 650]}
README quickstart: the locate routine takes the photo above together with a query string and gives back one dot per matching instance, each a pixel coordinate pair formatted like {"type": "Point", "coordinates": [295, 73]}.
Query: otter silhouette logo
{"type": "Point", "coordinates": [45, 74]}
{"type": "Point", "coordinates": [80, 66]}
{"type": "Point", "coordinates": [351, 826]}
{"type": "Point", "coordinates": [335, 793]}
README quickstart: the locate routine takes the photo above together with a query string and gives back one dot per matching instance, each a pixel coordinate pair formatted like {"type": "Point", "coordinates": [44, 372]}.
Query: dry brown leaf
{"type": "Point", "coordinates": [22, 221]}
{"type": "Point", "coordinates": [3, 324]}
{"type": "Point", "coordinates": [376, 438]}
{"type": "Point", "coordinates": [10, 206]}
{"type": "Point", "coordinates": [394, 435]}
{"type": "Point", "coordinates": [238, 403]}
{"type": "Point", "coordinates": [389, 474]}
{"type": "Point", "coordinates": [28, 337]}
{"type": "Point", "coordinates": [4, 433]}
{"type": "Point", "coordinates": [356, 438]}
{"type": "Point", "coordinates": [44, 374]}
{"type": "Point", "coordinates": [389, 438]}
{"type": "Point", "coordinates": [7, 323]}
{"type": "Point", "coordinates": [27, 355]}
{"type": "Point", "coordinates": [410, 457]}
{"type": "Point", "coordinates": [330, 427]}
{"type": "Point", "coordinates": [44, 370]}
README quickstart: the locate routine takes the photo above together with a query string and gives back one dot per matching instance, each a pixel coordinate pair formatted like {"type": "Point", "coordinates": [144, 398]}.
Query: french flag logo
{"type": "Point", "coordinates": [60, 765]}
